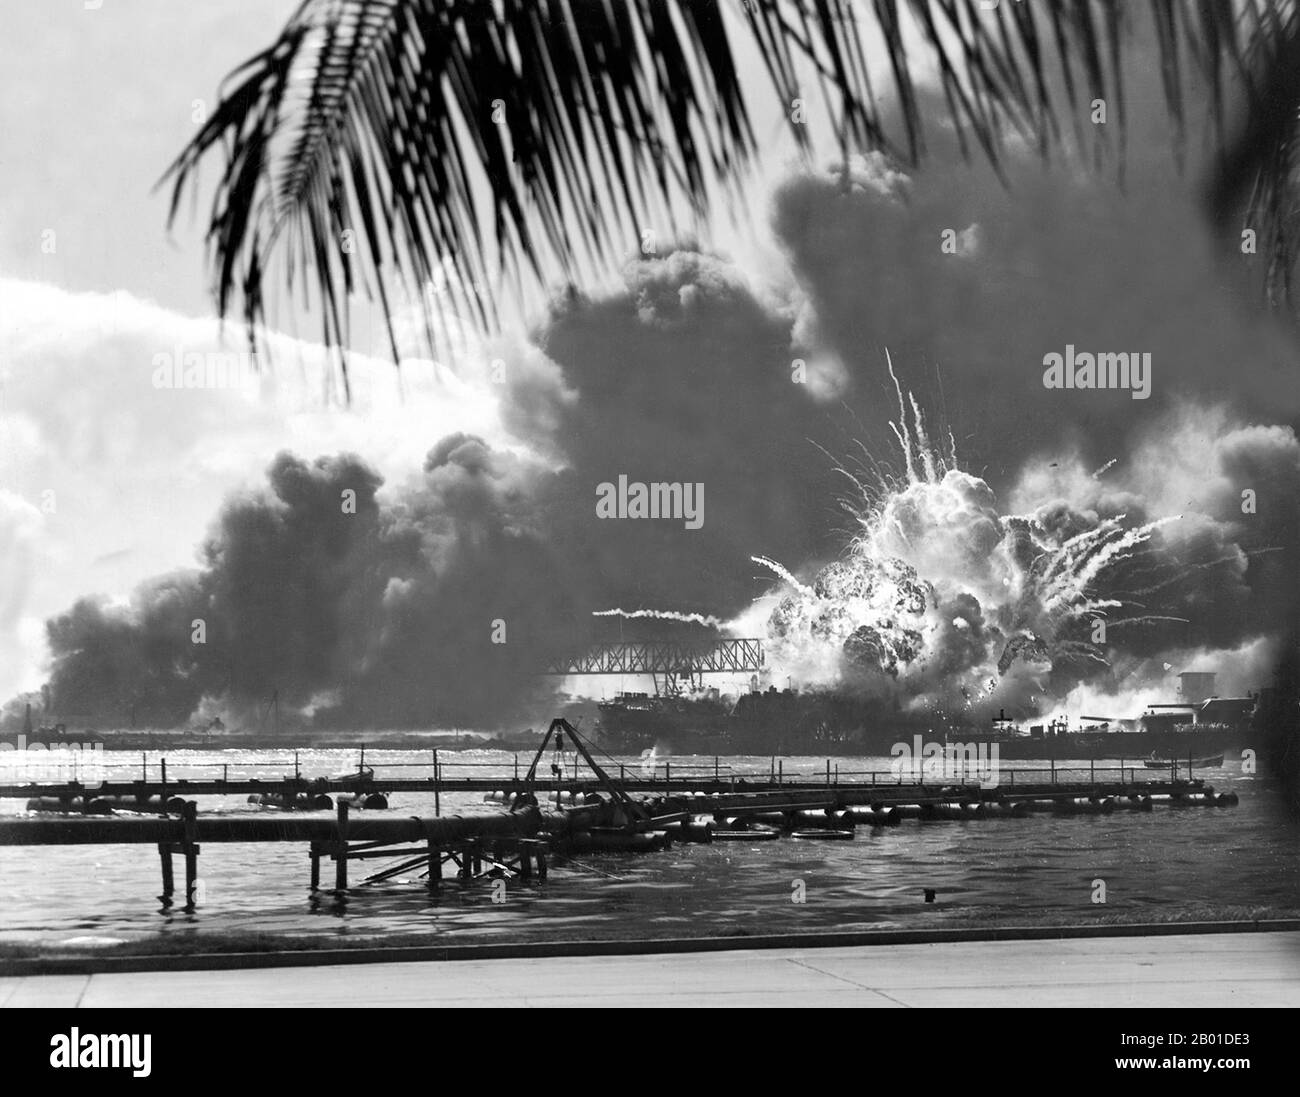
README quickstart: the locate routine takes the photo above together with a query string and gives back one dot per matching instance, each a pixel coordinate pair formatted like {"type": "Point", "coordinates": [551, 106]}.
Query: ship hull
{"type": "Point", "coordinates": [830, 728]}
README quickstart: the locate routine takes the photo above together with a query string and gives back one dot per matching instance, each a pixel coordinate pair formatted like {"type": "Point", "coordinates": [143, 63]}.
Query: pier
{"type": "Point", "coordinates": [537, 816]}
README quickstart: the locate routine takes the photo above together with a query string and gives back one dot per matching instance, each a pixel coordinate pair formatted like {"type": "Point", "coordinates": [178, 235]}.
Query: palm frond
{"type": "Point", "coordinates": [396, 143]}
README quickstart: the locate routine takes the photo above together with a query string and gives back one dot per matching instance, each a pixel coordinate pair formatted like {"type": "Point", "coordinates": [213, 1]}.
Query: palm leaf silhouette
{"type": "Point", "coordinates": [402, 143]}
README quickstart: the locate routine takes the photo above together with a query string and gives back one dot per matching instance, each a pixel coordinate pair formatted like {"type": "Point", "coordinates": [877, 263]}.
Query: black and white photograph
{"type": "Point", "coordinates": [648, 504]}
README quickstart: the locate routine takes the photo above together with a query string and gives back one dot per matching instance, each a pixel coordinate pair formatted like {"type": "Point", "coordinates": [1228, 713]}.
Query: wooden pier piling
{"type": "Point", "coordinates": [168, 887]}
{"type": "Point", "coordinates": [341, 850]}
{"type": "Point", "coordinates": [435, 867]}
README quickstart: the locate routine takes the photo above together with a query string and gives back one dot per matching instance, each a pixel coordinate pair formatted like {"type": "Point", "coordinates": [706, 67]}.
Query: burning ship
{"type": "Point", "coordinates": [818, 722]}
{"type": "Point", "coordinates": [759, 722]}
{"type": "Point", "coordinates": [946, 611]}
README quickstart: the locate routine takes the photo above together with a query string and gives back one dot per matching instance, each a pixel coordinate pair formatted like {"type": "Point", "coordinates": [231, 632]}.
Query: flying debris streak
{"type": "Point", "coordinates": [780, 572]}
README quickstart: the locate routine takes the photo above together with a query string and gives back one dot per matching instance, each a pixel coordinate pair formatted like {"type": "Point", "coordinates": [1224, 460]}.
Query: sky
{"type": "Point", "coordinates": [475, 494]}
{"type": "Point", "coordinates": [97, 103]}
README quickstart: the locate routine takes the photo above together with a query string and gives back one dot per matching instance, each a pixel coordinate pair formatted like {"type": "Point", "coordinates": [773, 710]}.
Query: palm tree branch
{"type": "Point", "coordinates": [450, 138]}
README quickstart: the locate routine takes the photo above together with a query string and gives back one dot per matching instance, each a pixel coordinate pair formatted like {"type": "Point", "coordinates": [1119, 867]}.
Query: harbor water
{"type": "Point", "coordinates": [1242, 861]}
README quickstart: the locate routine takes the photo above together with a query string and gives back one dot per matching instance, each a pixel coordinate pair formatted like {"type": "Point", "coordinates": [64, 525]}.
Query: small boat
{"type": "Point", "coordinates": [1194, 763]}
{"type": "Point", "coordinates": [822, 835]}
{"type": "Point", "coordinates": [745, 835]}
{"type": "Point", "coordinates": [353, 778]}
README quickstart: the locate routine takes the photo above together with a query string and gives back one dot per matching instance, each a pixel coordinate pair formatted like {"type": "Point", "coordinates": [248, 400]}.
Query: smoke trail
{"type": "Point", "coordinates": [662, 615]}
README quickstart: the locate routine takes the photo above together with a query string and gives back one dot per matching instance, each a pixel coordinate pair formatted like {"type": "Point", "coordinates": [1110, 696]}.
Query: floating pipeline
{"type": "Point", "coordinates": [369, 801]}
{"type": "Point", "coordinates": [945, 809]}
{"type": "Point", "coordinates": [946, 812]}
{"type": "Point", "coordinates": [562, 798]}
{"type": "Point", "coordinates": [1085, 806]}
{"type": "Point", "coordinates": [76, 805]}
{"type": "Point", "coordinates": [295, 801]}
{"type": "Point", "coordinates": [572, 799]}
{"type": "Point", "coordinates": [877, 816]}
{"type": "Point", "coordinates": [612, 840]}
{"type": "Point", "coordinates": [146, 805]}
{"type": "Point", "coordinates": [842, 818]}
{"type": "Point", "coordinates": [699, 831]}
{"type": "Point", "coordinates": [106, 805]}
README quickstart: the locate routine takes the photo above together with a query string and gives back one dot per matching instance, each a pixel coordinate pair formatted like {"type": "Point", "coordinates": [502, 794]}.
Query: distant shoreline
{"type": "Point", "coordinates": [291, 740]}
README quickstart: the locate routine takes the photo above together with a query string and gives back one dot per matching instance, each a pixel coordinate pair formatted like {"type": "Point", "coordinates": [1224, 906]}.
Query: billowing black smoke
{"type": "Point", "coordinates": [435, 610]}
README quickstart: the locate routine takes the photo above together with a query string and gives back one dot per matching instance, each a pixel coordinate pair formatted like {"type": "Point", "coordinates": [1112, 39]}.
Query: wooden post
{"type": "Point", "coordinates": [715, 769]}
{"type": "Point", "coordinates": [315, 867]}
{"type": "Point", "coordinates": [466, 864]}
{"type": "Point", "coordinates": [341, 850]}
{"type": "Point", "coordinates": [191, 874]}
{"type": "Point", "coordinates": [435, 867]}
{"type": "Point", "coordinates": [437, 784]}
{"type": "Point", "coordinates": [668, 776]}
{"type": "Point", "coordinates": [828, 773]}
{"type": "Point", "coordinates": [164, 784]}
{"type": "Point", "coordinates": [189, 817]}
{"type": "Point", "coordinates": [297, 772]}
{"type": "Point", "coordinates": [165, 856]}
{"type": "Point", "coordinates": [780, 772]}
{"type": "Point", "coordinates": [1053, 761]}
{"type": "Point", "coordinates": [144, 766]}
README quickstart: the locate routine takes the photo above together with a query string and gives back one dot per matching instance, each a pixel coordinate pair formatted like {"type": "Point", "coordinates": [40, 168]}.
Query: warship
{"type": "Point", "coordinates": [817, 722]}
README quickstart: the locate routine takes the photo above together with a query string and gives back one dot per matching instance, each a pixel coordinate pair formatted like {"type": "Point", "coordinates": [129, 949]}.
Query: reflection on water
{"type": "Point", "coordinates": [1012, 870]}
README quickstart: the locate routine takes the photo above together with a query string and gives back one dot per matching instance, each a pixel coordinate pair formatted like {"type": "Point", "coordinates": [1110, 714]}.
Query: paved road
{"type": "Point", "coordinates": [1243, 969]}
